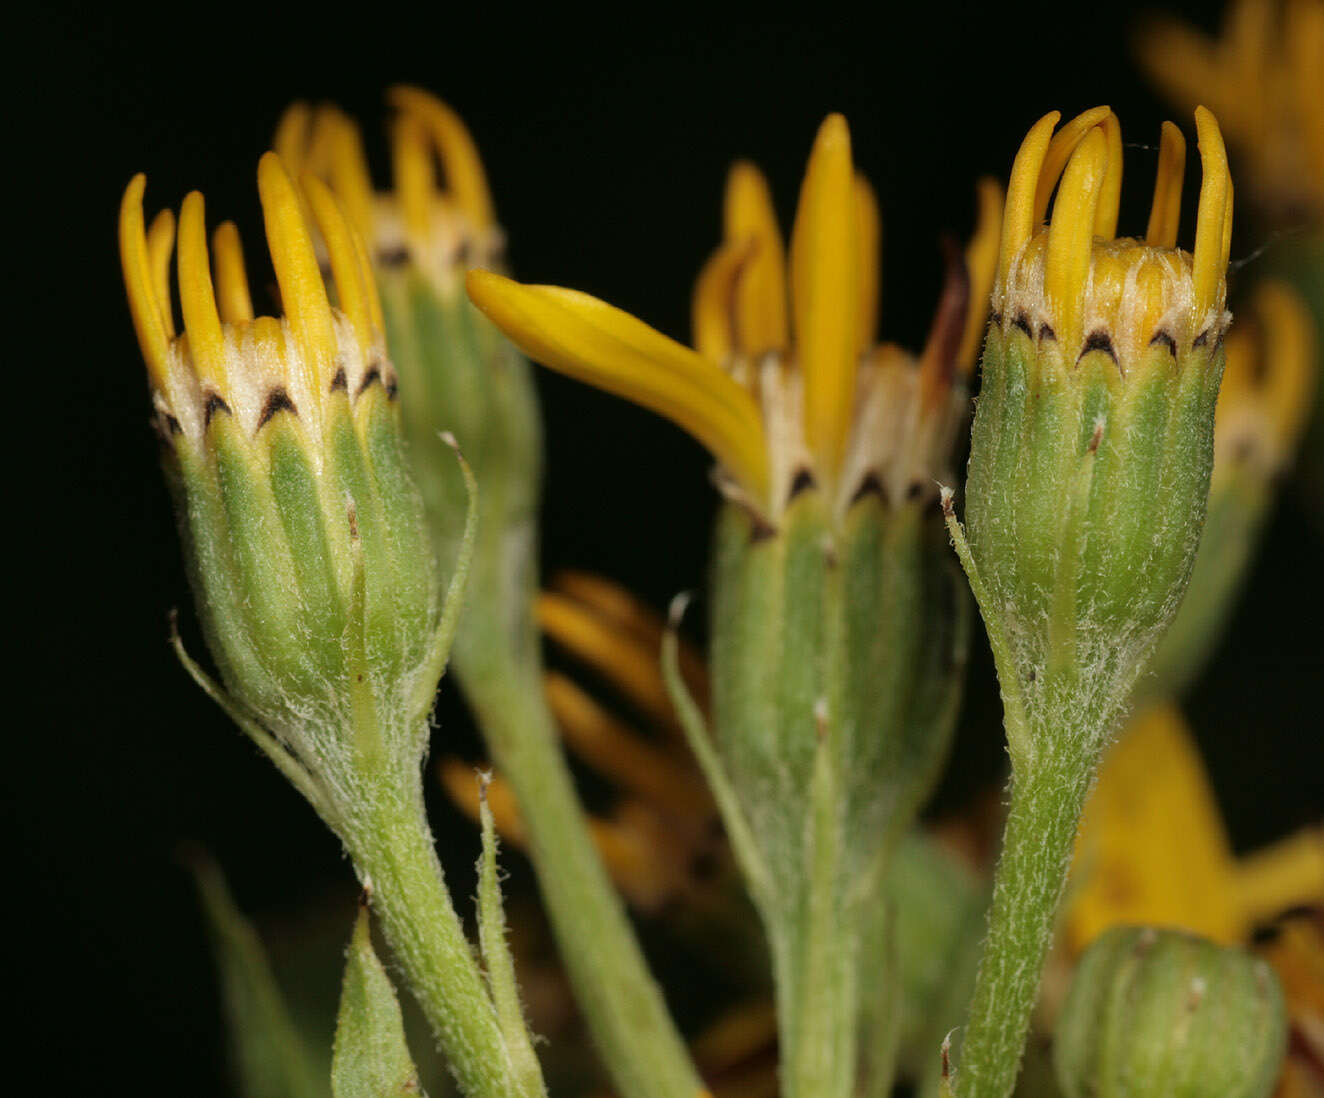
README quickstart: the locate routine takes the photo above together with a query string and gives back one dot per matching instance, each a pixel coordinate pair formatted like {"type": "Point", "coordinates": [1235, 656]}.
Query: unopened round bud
{"type": "Point", "coordinates": [1162, 1014]}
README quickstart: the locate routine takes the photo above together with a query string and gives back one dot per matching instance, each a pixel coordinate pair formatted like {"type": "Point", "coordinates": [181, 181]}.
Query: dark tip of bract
{"type": "Point", "coordinates": [1099, 340]}
{"type": "Point", "coordinates": [278, 400]}
{"type": "Point", "coordinates": [214, 406]}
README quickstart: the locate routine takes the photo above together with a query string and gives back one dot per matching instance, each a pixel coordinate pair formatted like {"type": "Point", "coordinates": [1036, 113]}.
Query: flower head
{"type": "Point", "coordinates": [785, 385]}
{"type": "Point", "coordinates": [1093, 438]}
{"type": "Point", "coordinates": [302, 529]}
{"type": "Point", "coordinates": [1264, 78]}
{"type": "Point", "coordinates": [456, 372]}
{"type": "Point", "coordinates": [1074, 288]}
{"type": "Point", "coordinates": [441, 223]}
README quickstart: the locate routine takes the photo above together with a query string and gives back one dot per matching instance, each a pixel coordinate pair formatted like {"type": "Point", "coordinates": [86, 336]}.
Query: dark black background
{"type": "Point", "coordinates": [606, 143]}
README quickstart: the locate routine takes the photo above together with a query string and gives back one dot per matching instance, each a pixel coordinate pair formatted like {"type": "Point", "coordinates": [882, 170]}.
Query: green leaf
{"type": "Point", "coordinates": [371, 1059]}
{"type": "Point", "coordinates": [270, 1057]}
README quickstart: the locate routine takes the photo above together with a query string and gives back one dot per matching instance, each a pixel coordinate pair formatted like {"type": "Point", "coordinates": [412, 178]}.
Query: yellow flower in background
{"type": "Point", "coordinates": [441, 222]}
{"type": "Point", "coordinates": [785, 381]}
{"type": "Point", "coordinates": [659, 839]}
{"type": "Point", "coordinates": [1264, 78]}
{"type": "Point", "coordinates": [1268, 384]}
{"type": "Point", "coordinates": [1153, 850]}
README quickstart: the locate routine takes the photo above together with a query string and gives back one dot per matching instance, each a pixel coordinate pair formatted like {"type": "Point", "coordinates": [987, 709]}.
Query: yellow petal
{"type": "Point", "coordinates": [1071, 236]}
{"type": "Point", "coordinates": [346, 167]}
{"type": "Point", "coordinates": [1059, 153]}
{"type": "Point", "coordinates": [590, 340]}
{"type": "Point", "coordinates": [351, 293]}
{"type": "Point", "coordinates": [1022, 215]}
{"type": "Point", "coordinates": [1289, 368]}
{"type": "Point", "coordinates": [302, 292]}
{"type": "Point", "coordinates": [869, 244]}
{"type": "Point", "coordinates": [197, 299]}
{"type": "Point", "coordinates": [415, 180]}
{"type": "Point", "coordinates": [1152, 847]}
{"type": "Point", "coordinates": [713, 304]}
{"type": "Point", "coordinates": [1213, 227]}
{"type": "Point", "coordinates": [1165, 213]}
{"type": "Point", "coordinates": [293, 136]}
{"type": "Point", "coordinates": [825, 293]}
{"type": "Point", "coordinates": [981, 260]}
{"type": "Point", "coordinates": [1284, 875]}
{"type": "Point", "coordinates": [160, 243]}
{"type": "Point", "coordinates": [620, 753]}
{"type": "Point", "coordinates": [465, 177]}
{"type": "Point", "coordinates": [1110, 194]}
{"type": "Point", "coordinates": [140, 283]}
{"type": "Point", "coordinates": [232, 294]}
{"type": "Point", "coordinates": [748, 215]}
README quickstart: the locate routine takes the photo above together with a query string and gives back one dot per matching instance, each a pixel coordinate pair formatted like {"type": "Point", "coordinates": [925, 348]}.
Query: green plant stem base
{"type": "Point", "coordinates": [622, 1003]}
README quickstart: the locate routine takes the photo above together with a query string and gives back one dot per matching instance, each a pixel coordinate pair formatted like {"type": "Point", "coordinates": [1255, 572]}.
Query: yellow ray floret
{"type": "Point", "coordinates": [749, 218]}
{"type": "Point", "coordinates": [824, 293]}
{"type": "Point", "coordinates": [302, 291]}
{"type": "Point", "coordinates": [197, 299]}
{"type": "Point", "coordinates": [1022, 214]}
{"type": "Point", "coordinates": [351, 290]}
{"type": "Point", "coordinates": [596, 343]}
{"type": "Point", "coordinates": [1165, 212]}
{"type": "Point", "coordinates": [1213, 227]}
{"type": "Point", "coordinates": [140, 283]}
{"type": "Point", "coordinates": [713, 307]}
{"type": "Point", "coordinates": [869, 246]}
{"type": "Point", "coordinates": [160, 243]}
{"type": "Point", "coordinates": [232, 296]}
{"type": "Point", "coordinates": [465, 177]}
{"type": "Point", "coordinates": [1153, 849]}
{"type": "Point", "coordinates": [1071, 234]}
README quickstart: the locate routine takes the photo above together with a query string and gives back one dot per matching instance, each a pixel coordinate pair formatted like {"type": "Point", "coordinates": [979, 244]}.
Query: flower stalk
{"type": "Point", "coordinates": [1091, 452]}
{"type": "Point", "coordinates": [457, 372]}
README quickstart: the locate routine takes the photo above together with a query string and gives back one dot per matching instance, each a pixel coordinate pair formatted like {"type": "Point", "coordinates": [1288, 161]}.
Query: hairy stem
{"type": "Point", "coordinates": [393, 852]}
{"type": "Point", "coordinates": [1046, 803]}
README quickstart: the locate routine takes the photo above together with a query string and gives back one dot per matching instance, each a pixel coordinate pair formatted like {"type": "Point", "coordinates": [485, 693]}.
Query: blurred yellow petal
{"type": "Point", "coordinates": [825, 294]}
{"type": "Point", "coordinates": [1152, 848]}
{"type": "Point", "coordinates": [594, 342]}
{"type": "Point", "coordinates": [761, 300]}
{"type": "Point", "coordinates": [869, 244]}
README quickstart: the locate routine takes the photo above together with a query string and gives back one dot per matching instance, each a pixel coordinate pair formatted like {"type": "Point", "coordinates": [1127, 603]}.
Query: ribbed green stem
{"type": "Point", "coordinates": [622, 1004]}
{"type": "Point", "coordinates": [392, 849]}
{"type": "Point", "coordinates": [1046, 803]}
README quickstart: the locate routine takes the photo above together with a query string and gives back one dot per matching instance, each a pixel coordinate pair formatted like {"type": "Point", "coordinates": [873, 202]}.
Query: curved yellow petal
{"type": "Point", "coordinates": [1288, 873]}
{"type": "Point", "coordinates": [712, 308]}
{"type": "Point", "coordinates": [415, 179]}
{"type": "Point", "coordinates": [869, 245]}
{"type": "Point", "coordinates": [1059, 152]}
{"type": "Point", "coordinates": [1289, 357]}
{"type": "Point", "coordinates": [1213, 227]}
{"type": "Point", "coordinates": [197, 299]}
{"type": "Point", "coordinates": [351, 293]}
{"type": "Point", "coordinates": [1071, 235]}
{"type": "Point", "coordinates": [140, 283]}
{"type": "Point", "coordinates": [465, 177]}
{"type": "Point", "coordinates": [1152, 847]}
{"type": "Point", "coordinates": [346, 167]}
{"type": "Point", "coordinates": [825, 294]}
{"type": "Point", "coordinates": [232, 294]}
{"type": "Point", "coordinates": [1021, 215]}
{"type": "Point", "coordinates": [160, 243]}
{"type": "Point", "coordinates": [981, 260]}
{"type": "Point", "coordinates": [590, 340]}
{"type": "Point", "coordinates": [1165, 212]}
{"type": "Point", "coordinates": [293, 136]}
{"type": "Point", "coordinates": [761, 299]}
{"type": "Point", "coordinates": [302, 292]}
{"type": "Point", "coordinates": [1110, 193]}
